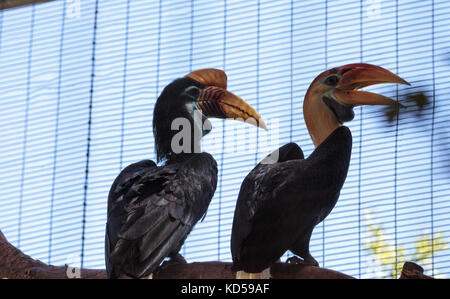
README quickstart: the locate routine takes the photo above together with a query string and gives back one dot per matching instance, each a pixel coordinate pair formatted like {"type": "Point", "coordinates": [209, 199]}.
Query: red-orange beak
{"type": "Point", "coordinates": [359, 75]}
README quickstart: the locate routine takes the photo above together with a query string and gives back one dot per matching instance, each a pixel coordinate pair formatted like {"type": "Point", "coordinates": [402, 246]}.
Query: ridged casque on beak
{"type": "Point", "coordinates": [216, 101]}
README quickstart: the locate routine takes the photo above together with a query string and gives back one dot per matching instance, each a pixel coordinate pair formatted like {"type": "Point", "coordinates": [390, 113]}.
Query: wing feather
{"type": "Point", "coordinates": [153, 211]}
{"type": "Point", "coordinates": [278, 202]}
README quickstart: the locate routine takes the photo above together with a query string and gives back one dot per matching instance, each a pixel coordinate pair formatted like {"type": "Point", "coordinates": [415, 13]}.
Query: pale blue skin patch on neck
{"type": "Point", "coordinates": [201, 122]}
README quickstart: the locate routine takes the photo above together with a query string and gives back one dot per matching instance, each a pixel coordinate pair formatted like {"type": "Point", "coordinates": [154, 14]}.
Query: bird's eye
{"type": "Point", "coordinates": [332, 80]}
{"type": "Point", "coordinates": [193, 92]}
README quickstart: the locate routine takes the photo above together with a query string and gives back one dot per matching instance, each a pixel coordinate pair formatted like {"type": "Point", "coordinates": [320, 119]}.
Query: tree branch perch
{"type": "Point", "coordinates": [5, 4]}
{"type": "Point", "coordinates": [15, 264]}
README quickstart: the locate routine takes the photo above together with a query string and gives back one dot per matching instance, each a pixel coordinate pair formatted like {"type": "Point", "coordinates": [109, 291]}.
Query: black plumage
{"type": "Point", "coordinates": [282, 200]}
{"type": "Point", "coordinates": [152, 209]}
{"type": "Point", "coordinates": [280, 203]}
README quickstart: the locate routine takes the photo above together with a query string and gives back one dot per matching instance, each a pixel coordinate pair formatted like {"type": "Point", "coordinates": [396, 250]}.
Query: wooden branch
{"type": "Point", "coordinates": [15, 264]}
{"type": "Point", "coordinates": [4, 4]}
{"type": "Point", "coordinates": [413, 271]}
{"type": "Point", "coordinates": [221, 270]}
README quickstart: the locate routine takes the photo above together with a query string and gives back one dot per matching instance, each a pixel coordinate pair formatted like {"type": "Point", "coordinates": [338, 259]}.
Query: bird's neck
{"type": "Point", "coordinates": [319, 120]}
{"type": "Point", "coordinates": [178, 137]}
{"type": "Point", "coordinates": [178, 144]}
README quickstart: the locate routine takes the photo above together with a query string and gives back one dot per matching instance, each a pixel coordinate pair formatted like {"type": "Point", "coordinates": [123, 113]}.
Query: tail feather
{"type": "Point", "coordinates": [265, 274]}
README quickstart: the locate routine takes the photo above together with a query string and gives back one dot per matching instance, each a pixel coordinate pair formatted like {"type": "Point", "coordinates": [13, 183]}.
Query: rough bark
{"type": "Point", "coordinates": [4, 4]}
{"type": "Point", "coordinates": [413, 271]}
{"type": "Point", "coordinates": [15, 264]}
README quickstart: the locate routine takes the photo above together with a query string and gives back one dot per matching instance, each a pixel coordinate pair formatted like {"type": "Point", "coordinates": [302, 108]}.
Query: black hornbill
{"type": "Point", "coordinates": [151, 208]}
{"type": "Point", "coordinates": [285, 196]}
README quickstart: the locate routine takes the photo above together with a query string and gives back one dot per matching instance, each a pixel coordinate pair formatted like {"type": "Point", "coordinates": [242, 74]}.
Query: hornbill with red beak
{"type": "Point", "coordinates": [151, 208]}
{"type": "Point", "coordinates": [285, 196]}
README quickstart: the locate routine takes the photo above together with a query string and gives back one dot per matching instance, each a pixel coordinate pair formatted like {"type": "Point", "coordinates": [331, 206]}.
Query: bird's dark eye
{"type": "Point", "coordinates": [193, 92]}
{"type": "Point", "coordinates": [332, 80]}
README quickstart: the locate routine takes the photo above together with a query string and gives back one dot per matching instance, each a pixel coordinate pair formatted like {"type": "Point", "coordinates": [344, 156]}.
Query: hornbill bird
{"type": "Point", "coordinates": [285, 196]}
{"type": "Point", "coordinates": [151, 208]}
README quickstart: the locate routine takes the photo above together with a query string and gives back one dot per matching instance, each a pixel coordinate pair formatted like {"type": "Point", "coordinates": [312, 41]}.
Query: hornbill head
{"type": "Point", "coordinates": [332, 95]}
{"type": "Point", "coordinates": [200, 95]}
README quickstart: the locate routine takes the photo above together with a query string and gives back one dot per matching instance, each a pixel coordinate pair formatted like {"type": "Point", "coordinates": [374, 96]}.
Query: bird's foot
{"type": "Point", "coordinates": [309, 260]}
{"type": "Point", "coordinates": [175, 259]}
{"type": "Point", "coordinates": [294, 260]}
{"type": "Point", "coordinates": [178, 258]}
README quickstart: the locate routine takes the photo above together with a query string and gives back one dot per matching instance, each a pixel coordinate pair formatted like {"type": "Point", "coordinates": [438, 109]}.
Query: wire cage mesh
{"type": "Point", "coordinates": [79, 83]}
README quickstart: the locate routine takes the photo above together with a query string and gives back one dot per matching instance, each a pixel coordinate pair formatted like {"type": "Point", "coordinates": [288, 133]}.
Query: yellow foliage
{"type": "Point", "coordinates": [392, 256]}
